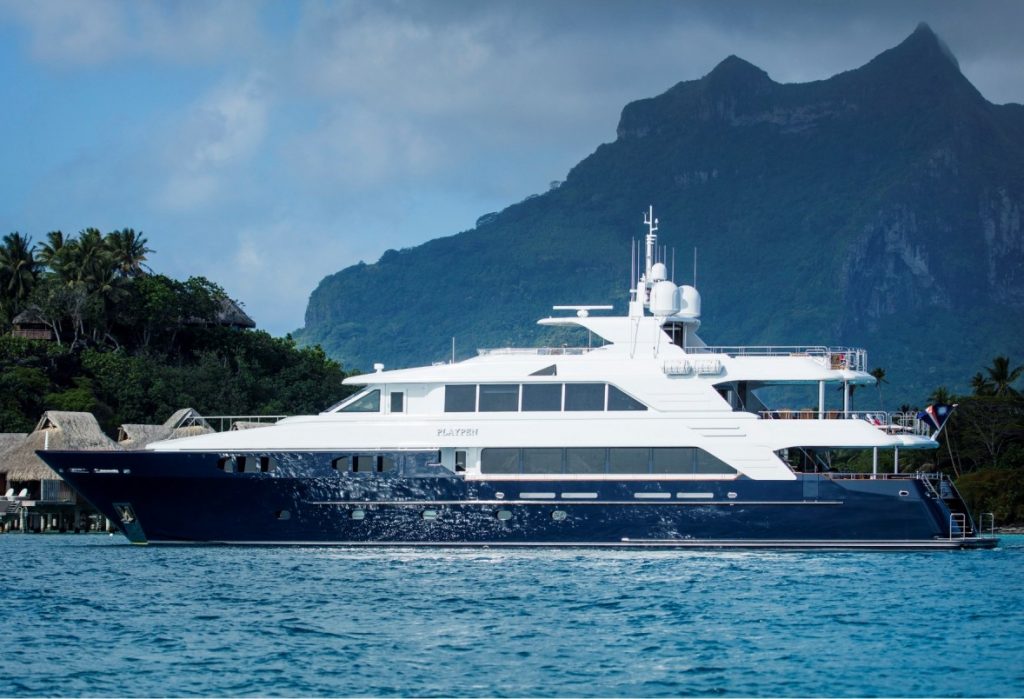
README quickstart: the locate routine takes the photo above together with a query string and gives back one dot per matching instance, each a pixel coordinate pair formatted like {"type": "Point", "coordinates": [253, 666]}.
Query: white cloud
{"type": "Point", "coordinates": [212, 140]}
{"type": "Point", "coordinates": [77, 33]}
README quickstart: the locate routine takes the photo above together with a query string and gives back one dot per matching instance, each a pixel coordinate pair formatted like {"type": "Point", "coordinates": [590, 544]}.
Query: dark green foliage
{"type": "Point", "coordinates": [872, 209]}
{"type": "Point", "coordinates": [132, 347]}
{"type": "Point", "coordinates": [999, 491]}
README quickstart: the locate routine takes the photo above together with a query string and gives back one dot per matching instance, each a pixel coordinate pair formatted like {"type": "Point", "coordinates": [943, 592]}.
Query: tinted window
{"type": "Point", "coordinates": [460, 399]}
{"type": "Point", "coordinates": [617, 400]}
{"type": "Point", "coordinates": [385, 464]}
{"type": "Point", "coordinates": [542, 396]}
{"type": "Point", "coordinates": [460, 461]}
{"type": "Point", "coordinates": [499, 397]}
{"type": "Point", "coordinates": [365, 464]}
{"type": "Point", "coordinates": [499, 461]}
{"type": "Point", "coordinates": [628, 460]}
{"type": "Point", "coordinates": [366, 403]}
{"type": "Point", "coordinates": [584, 396]}
{"type": "Point", "coordinates": [707, 463]}
{"type": "Point", "coordinates": [542, 460]}
{"type": "Point", "coordinates": [584, 460]}
{"type": "Point", "coordinates": [397, 402]}
{"type": "Point", "coordinates": [673, 460]}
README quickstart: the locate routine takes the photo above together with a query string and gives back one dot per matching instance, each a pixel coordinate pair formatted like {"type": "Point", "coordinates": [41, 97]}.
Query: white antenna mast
{"type": "Point", "coordinates": [651, 239]}
{"type": "Point", "coordinates": [695, 267]}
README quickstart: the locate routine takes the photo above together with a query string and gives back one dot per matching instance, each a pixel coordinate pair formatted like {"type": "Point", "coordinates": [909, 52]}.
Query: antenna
{"type": "Point", "coordinates": [673, 264]}
{"type": "Point", "coordinates": [651, 239]}
{"type": "Point", "coordinates": [632, 263]}
{"type": "Point", "coordinates": [695, 267]}
{"type": "Point", "coordinates": [453, 349]}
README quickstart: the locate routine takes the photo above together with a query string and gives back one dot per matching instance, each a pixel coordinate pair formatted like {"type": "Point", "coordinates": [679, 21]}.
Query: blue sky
{"type": "Point", "coordinates": [268, 144]}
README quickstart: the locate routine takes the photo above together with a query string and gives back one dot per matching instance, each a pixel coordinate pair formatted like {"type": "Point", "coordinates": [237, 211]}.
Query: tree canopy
{"type": "Point", "coordinates": [132, 346]}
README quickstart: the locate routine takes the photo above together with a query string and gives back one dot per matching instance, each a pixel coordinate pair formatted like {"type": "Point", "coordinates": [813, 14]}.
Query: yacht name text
{"type": "Point", "coordinates": [458, 431]}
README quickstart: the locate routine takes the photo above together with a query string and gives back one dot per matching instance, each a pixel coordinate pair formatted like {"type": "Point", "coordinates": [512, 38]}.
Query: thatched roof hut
{"type": "Point", "coordinates": [138, 436]}
{"type": "Point", "coordinates": [249, 425]}
{"type": "Point", "coordinates": [56, 430]}
{"type": "Point", "coordinates": [183, 423]}
{"type": "Point", "coordinates": [8, 440]}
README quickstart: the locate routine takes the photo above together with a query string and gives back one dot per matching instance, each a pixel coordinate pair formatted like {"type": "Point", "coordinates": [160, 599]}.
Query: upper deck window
{"type": "Point", "coordinates": [499, 397]}
{"type": "Point", "coordinates": [584, 396]}
{"type": "Point", "coordinates": [542, 396]}
{"type": "Point", "coordinates": [460, 398]}
{"type": "Point", "coordinates": [365, 402]}
{"type": "Point", "coordinates": [397, 402]}
{"type": "Point", "coordinates": [536, 397]}
{"type": "Point", "coordinates": [618, 400]}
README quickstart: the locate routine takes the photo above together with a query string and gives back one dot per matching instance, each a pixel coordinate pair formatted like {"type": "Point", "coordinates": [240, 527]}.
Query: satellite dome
{"type": "Point", "coordinates": [659, 272]}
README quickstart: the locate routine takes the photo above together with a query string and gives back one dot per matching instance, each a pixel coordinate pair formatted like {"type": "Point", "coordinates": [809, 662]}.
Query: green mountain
{"type": "Point", "coordinates": [880, 208]}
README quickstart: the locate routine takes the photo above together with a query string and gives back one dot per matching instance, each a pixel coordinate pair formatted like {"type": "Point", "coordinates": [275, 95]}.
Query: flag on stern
{"type": "Point", "coordinates": [936, 415]}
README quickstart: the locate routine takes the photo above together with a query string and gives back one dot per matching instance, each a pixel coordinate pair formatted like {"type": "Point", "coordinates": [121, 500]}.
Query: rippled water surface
{"type": "Point", "coordinates": [93, 615]}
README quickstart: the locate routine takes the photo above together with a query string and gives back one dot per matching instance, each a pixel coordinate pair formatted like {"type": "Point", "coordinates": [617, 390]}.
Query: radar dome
{"type": "Point", "coordinates": [664, 298]}
{"type": "Point", "coordinates": [659, 272]}
{"type": "Point", "coordinates": [689, 302]}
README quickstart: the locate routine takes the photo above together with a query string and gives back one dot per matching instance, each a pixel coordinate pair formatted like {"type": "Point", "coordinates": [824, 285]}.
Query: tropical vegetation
{"type": "Point", "coordinates": [132, 346]}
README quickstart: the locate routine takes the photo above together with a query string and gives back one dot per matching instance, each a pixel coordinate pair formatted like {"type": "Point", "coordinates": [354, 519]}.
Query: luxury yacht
{"type": "Point", "coordinates": [651, 438]}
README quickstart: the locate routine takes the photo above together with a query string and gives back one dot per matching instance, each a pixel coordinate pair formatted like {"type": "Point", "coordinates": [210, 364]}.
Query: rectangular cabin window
{"type": "Point", "coordinates": [584, 396]}
{"type": "Point", "coordinates": [368, 402]}
{"type": "Point", "coordinates": [540, 397]}
{"type": "Point", "coordinates": [341, 463]}
{"type": "Point", "coordinates": [618, 400]}
{"type": "Point", "coordinates": [499, 397]}
{"type": "Point", "coordinates": [542, 460]}
{"type": "Point", "coordinates": [460, 398]}
{"type": "Point", "coordinates": [267, 464]}
{"type": "Point", "coordinates": [460, 461]}
{"type": "Point", "coordinates": [629, 460]}
{"type": "Point", "coordinates": [673, 460]}
{"type": "Point", "coordinates": [385, 464]}
{"type": "Point", "coordinates": [585, 460]}
{"type": "Point", "coordinates": [708, 464]}
{"type": "Point", "coordinates": [364, 464]}
{"type": "Point", "coordinates": [499, 461]}
{"type": "Point", "coordinates": [397, 402]}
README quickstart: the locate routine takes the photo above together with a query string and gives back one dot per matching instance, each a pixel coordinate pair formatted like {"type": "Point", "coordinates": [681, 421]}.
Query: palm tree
{"type": "Point", "coordinates": [1002, 376]}
{"type": "Point", "coordinates": [18, 271]}
{"type": "Point", "coordinates": [129, 251]}
{"type": "Point", "coordinates": [51, 252]}
{"type": "Point", "coordinates": [940, 396]}
{"type": "Point", "coordinates": [879, 374]}
{"type": "Point", "coordinates": [981, 385]}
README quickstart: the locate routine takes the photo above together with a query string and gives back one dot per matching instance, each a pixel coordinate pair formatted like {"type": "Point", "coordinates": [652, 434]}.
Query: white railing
{"type": "Point", "coordinates": [534, 351]}
{"type": "Point", "coordinates": [848, 358]}
{"type": "Point", "coordinates": [223, 423]}
{"type": "Point", "coordinates": [893, 423]}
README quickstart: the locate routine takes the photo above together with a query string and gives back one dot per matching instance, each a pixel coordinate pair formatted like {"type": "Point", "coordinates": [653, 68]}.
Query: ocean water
{"type": "Point", "coordinates": [93, 615]}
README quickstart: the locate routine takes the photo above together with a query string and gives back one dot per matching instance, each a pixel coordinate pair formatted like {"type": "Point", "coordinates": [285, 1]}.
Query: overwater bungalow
{"type": "Point", "coordinates": [44, 500]}
{"type": "Point", "coordinates": [186, 422]}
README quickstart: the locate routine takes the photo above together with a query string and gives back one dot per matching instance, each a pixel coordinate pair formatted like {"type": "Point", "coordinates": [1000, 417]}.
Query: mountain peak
{"type": "Point", "coordinates": [922, 45]}
{"type": "Point", "coordinates": [736, 73]}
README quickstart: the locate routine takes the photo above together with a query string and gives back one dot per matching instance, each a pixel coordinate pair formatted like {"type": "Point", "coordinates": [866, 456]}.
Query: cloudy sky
{"type": "Point", "coordinates": [266, 145]}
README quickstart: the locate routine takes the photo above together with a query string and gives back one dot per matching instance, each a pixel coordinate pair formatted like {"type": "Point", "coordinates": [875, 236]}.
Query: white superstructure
{"type": "Point", "coordinates": [653, 383]}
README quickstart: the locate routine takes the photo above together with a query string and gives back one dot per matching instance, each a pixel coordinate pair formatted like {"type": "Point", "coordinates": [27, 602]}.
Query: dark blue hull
{"type": "Point", "coordinates": [186, 498]}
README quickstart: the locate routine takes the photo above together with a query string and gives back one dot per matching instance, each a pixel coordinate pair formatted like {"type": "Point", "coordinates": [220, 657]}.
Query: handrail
{"type": "Point", "coordinates": [890, 422]}
{"type": "Point", "coordinates": [544, 351]}
{"type": "Point", "coordinates": [849, 358]}
{"type": "Point", "coordinates": [990, 517]}
{"type": "Point", "coordinates": [960, 520]}
{"type": "Point", "coordinates": [225, 422]}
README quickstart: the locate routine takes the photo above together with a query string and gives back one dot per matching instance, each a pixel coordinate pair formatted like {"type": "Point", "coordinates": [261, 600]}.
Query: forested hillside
{"type": "Point", "coordinates": [131, 346]}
